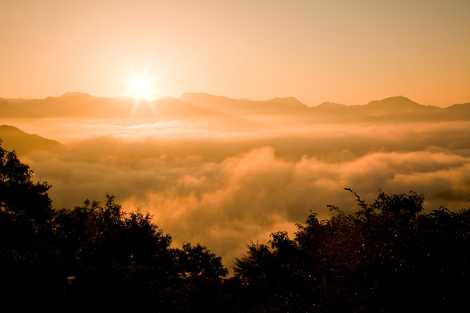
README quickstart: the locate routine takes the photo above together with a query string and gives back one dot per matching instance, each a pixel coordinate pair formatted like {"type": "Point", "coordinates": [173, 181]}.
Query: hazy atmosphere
{"type": "Point", "coordinates": [225, 172]}
{"type": "Point", "coordinates": [342, 51]}
{"type": "Point", "coordinates": [264, 156]}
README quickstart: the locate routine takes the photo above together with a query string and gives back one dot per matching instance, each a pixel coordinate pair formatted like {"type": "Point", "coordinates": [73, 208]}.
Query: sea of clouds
{"type": "Point", "coordinates": [226, 191]}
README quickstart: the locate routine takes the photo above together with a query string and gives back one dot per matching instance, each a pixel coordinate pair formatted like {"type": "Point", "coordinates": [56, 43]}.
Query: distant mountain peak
{"type": "Point", "coordinates": [75, 94]}
{"type": "Point", "coordinates": [460, 106]}
{"type": "Point", "coordinates": [194, 96]}
{"type": "Point", "coordinates": [397, 101]}
{"type": "Point", "coordinates": [14, 138]}
{"type": "Point", "coordinates": [330, 105]}
{"type": "Point", "coordinates": [198, 96]}
{"type": "Point", "coordinates": [9, 128]}
{"type": "Point", "coordinates": [287, 100]}
{"type": "Point", "coordinates": [208, 98]}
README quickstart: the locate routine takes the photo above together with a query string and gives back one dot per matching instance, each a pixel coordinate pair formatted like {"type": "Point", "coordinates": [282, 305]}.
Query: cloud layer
{"type": "Point", "coordinates": [226, 193]}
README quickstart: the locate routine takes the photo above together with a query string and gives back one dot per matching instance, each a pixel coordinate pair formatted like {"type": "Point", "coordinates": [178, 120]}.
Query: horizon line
{"type": "Point", "coordinates": [201, 93]}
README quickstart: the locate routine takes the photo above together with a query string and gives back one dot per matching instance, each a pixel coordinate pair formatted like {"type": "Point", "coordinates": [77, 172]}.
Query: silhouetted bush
{"type": "Point", "coordinates": [93, 257]}
{"type": "Point", "coordinates": [386, 256]}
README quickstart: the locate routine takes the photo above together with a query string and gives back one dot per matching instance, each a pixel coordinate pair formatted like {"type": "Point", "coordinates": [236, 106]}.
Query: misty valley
{"type": "Point", "coordinates": [210, 204]}
{"type": "Point", "coordinates": [304, 156]}
{"type": "Point", "coordinates": [227, 172]}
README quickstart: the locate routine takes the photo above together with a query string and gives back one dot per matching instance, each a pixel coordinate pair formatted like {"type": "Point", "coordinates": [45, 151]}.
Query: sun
{"type": "Point", "coordinates": [141, 87]}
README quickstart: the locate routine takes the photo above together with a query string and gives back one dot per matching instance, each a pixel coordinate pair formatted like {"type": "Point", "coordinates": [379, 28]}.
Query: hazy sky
{"type": "Point", "coordinates": [342, 51]}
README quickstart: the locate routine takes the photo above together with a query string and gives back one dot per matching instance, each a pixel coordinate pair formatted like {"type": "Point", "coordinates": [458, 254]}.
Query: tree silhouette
{"type": "Point", "coordinates": [19, 195]}
{"type": "Point", "coordinates": [386, 256]}
{"type": "Point", "coordinates": [94, 257]}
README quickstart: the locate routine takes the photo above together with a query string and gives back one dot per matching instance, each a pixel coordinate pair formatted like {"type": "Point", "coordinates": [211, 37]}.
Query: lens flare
{"type": "Point", "coordinates": [141, 87]}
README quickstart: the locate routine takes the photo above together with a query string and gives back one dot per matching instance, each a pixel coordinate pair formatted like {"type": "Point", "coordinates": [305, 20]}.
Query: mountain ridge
{"type": "Point", "coordinates": [22, 142]}
{"type": "Point", "coordinates": [202, 106]}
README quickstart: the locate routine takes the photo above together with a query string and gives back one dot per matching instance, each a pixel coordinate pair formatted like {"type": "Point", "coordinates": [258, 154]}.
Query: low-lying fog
{"type": "Point", "coordinates": [223, 187]}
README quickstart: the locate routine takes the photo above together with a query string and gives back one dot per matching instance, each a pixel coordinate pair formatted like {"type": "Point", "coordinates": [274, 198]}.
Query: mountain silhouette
{"type": "Point", "coordinates": [208, 108]}
{"type": "Point", "coordinates": [16, 139]}
{"type": "Point", "coordinates": [393, 105]}
{"type": "Point", "coordinates": [275, 105]}
{"type": "Point", "coordinates": [330, 106]}
{"type": "Point", "coordinates": [395, 102]}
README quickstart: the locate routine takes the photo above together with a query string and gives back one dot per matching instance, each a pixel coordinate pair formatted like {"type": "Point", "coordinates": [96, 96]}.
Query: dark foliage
{"type": "Point", "coordinates": [388, 256]}
{"type": "Point", "coordinates": [93, 258]}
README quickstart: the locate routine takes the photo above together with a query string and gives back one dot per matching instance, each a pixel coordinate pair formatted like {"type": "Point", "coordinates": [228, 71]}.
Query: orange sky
{"type": "Point", "coordinates": [342, 51]}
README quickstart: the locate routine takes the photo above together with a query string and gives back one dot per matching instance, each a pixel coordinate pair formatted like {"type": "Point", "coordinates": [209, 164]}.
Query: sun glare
{"type": "Point", "coordinates": [141, 87]}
